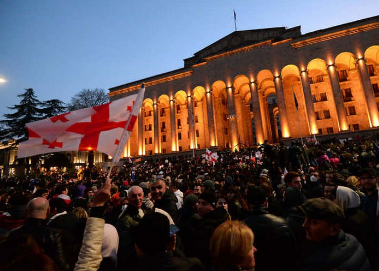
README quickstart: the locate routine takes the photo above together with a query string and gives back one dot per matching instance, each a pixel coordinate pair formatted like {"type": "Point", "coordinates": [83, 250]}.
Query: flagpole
{"type": "Point", "coordinates": [128, 129]}
{"type": "Point", "coordinates": [235, 20]}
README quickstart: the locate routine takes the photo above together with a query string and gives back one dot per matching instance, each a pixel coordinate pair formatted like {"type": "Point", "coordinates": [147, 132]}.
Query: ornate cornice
{"type": "Point", "coordinates": [238, 51]}
{"type": "Point", "coordinates": [334, 35]}
{"type": "Point", "coordinates": [151, 83]}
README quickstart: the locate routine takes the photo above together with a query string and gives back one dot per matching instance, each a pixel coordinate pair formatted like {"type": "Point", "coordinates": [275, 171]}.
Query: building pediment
{"type": "Point", "coordinates": [240, 39]}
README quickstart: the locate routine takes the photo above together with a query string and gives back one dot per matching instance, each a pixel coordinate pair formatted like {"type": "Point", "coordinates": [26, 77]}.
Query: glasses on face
{"type": "Point", "coordinates": [156, 187]}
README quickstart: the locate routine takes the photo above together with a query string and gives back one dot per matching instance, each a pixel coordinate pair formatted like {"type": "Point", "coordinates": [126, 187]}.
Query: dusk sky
{"type": "Point", "coordinates": [59, 47]}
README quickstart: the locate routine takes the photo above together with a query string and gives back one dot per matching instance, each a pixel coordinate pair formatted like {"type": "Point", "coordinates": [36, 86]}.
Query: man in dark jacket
{"type": "Point", "coordinates": [126, 225]}
{"type": "Point", "coordinates": [292, 191]}
{"type": "Point", "coordinates": [155, 243]}
{"type": "Point", "coordinates": [49, 239]}
{"type": "Point", "coordinates": [333, 248]}
{"type": "Point", "coordinates": [273, 237]}
{"type": "Point", "coordinates": [369, 205]}
{"type": "Point", "coordinates": [202, 225]}
{"type": "Point", "coordinates": [164, 199]}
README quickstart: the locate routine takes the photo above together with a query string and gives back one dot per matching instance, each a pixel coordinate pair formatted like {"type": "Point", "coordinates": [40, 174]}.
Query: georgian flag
{"type": "Point", "coordinates": [211, 156]}
{"type": "Point", "coordinates": [99, 128]}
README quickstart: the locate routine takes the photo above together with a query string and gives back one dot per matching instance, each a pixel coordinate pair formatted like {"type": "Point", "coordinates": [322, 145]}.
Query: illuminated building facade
{"type": "Point", "coordinates": [241, 90]}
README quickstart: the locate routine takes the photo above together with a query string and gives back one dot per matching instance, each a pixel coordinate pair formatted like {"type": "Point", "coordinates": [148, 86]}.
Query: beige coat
{"type": "Point", "coordinates": [90, 253]}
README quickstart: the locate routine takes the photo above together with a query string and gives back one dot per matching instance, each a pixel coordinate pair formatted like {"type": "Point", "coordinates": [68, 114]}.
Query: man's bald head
{"type": "Point", "coordinates": [37, 208]}
{"type": "Point", "coordinates": [135, 196]}
{"type": "Point", "coordinates": [135, 189]}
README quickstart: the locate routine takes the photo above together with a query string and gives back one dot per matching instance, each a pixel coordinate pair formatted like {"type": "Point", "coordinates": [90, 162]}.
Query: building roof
{"type": "Point", "coordinates": [241, 39]}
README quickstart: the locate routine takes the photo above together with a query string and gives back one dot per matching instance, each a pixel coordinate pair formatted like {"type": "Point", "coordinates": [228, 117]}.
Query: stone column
{"type": "Point", "coordinates": [338, 99]}
{"type": "Point", "coordinates": [372, 108]}
{"type": "Point", "coordinates": [238, 101]}
{"type": "Point", "coordinates": [257, 113]}
{"type": "Point", "coordinates": [191, 122]}
{"type": "Point", "coordinates": [232, 117]}
{"type": "Point", "coordinates": [141, 147]}
{"type": "Point", "coordinates": [156, 129]}
{"type": "Point", "coordinates": [250, 136]}
{"type": "Point", "coordinates": [309, 102]}
{"type": "Point", "coordinates": [211, 122]}
{"type": "Point", "coordinates": [174, 140]}
{"type": "Point", "coordinates": [264, 115]}
{"type": "Point", "coordinates": [282, 107]}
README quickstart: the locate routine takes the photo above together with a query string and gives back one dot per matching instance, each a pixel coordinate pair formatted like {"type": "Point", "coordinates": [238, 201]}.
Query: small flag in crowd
{"type": "Point", "coordinates": [100, 128]}
{"type": "Point", "coordinates": [211, 156]}
{"type": "Point", "coordinates": [133, 176]}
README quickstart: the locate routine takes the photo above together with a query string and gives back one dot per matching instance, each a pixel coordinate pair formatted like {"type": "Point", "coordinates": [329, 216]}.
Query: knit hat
{"type": "Point", "coordinates": [209, 197]}
{"type": "Point", "coordinates": [323, 209]}
{"type": "Point", "coordinates": [190, 201]}
{"type": "Point", "coordinates": [210, 184]}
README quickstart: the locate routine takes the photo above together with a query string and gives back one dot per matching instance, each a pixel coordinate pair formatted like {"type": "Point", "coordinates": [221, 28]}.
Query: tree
{"type": "Point", "coordinates": [27, 111]}
{"type": "Point", "coordinates": [88, 98]}
{"type": "Point", "coordinates": [53, 107]}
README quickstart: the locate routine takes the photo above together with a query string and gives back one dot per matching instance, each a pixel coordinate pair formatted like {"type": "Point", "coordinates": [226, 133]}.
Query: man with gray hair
{"type": "Point", "coordinates": [49, 239]}
{"type": "Point", "coordinates": [126, 224]}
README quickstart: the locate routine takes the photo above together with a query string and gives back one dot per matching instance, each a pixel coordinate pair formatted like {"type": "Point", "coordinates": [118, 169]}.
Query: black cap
{"type": "Point", "coordinates": [323, 209]}
{"type": "Point", "coordinates": [209, 197]}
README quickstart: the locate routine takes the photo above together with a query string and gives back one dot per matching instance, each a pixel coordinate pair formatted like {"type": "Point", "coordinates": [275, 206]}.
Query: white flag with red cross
{"type": "Point", "coordinates": [211, 156]}
{"type": "Point", "coordinates": [98, 128]}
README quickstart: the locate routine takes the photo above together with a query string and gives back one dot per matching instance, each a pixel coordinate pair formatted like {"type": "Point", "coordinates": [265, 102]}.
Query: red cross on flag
{"type": "Point", "coordinates": [211, 156]}
{"type": "Point", "coordinates": [100, 128]}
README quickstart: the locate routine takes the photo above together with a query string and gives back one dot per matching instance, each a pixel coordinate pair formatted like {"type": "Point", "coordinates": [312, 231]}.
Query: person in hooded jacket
{"type": "Point", "coordinates": [269, 229]}
{"type": "Point", "coordinates": [355, 221]}
{"type": "Point", "coordinates": [202, 226]}
{"type": "Point", "coordinates": [164, 199]}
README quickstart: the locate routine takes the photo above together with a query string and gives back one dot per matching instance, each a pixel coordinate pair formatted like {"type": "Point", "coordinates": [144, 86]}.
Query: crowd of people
{"type": "Point", "coordinates": [307, 206]}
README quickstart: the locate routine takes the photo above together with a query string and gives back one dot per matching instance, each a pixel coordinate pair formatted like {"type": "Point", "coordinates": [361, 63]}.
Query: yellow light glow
{"type": "Point", "coordinates": [286, 133]}
{"type": "Point", "coordinates": [314, 130]}
{"type": "Point", "coordinates": [2, 80]}
{"type": "Point", "coordinates": [344, 127]}
{"type": "Point", "coordinates": [375, 121]}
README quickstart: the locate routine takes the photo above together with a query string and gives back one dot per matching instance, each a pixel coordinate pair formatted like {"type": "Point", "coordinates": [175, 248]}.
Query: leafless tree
{"type": "Point", "coordinates": [88, 98]}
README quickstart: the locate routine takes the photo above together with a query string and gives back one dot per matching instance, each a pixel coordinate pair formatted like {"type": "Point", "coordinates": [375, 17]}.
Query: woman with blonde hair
{"type": "Point", "coordinates": [79, 212]}
{"type": "Point", "coordinates": [232, 247]}
{"type": "Point", "coordinates": [354, 183]}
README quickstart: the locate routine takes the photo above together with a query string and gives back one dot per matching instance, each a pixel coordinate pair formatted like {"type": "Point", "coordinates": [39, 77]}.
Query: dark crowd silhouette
{"type": "Point", "coordinates": [311, 206]}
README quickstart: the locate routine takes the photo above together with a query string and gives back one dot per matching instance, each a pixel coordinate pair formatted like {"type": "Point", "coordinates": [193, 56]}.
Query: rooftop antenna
{"type": "Point", "coordinates": [235, 20]}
